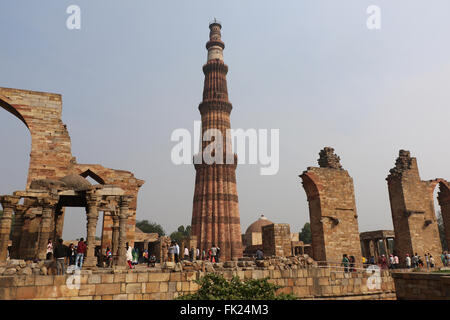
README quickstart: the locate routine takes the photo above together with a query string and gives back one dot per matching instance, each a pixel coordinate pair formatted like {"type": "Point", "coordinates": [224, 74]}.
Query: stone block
{"type": "Point", "coordinates": [131, 277]}
{"type": "Point", "coordinates": [95, 279]}
{"type": "Point", "coordinates": [43, 280]}
{"type": "Point", "coordinates": [159, 277]}
{"type": "Point", "coordinates": [25, 293]}
{"type": "Point", "coordinates": [152, 287]}
{"type": "Point", "coordinates": [107, 289]}
{"type": "Point", "coordinates": [107, 278]}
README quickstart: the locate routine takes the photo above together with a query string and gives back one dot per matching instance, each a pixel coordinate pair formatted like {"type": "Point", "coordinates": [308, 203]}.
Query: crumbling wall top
{"type": "Point", "coordinates": [328, 159]}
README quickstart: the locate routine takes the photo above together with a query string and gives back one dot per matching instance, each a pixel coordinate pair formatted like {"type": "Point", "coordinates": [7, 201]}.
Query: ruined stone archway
{"type": "Point", "coordinates": [332, 210]}
{"type": "Point", "coordinates": [412, 208]}
{"type": "Point", "coordinates": [51, 155]}
{"type": "Point", "coordinates": [443, 198]}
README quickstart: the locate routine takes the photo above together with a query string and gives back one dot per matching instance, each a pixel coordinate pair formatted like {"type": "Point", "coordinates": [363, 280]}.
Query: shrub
{"type": "Point", "coordinates": [215, 287]}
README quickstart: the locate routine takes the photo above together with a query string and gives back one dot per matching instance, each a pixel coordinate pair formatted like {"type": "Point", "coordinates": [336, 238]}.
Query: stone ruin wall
{"type": "Point", "coordinates": [51, 155]}
{"type": "Point", "coordinates": [305, 283]}
{"type": "Point", "coordinates": [276, 240]}
{"type": "Point", "coordinates": [413, 212]}
{"type": "Point", "coordinates": [332, 209]}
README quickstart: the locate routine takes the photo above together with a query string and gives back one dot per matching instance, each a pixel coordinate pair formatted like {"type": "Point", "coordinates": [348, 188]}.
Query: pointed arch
{"type": "Point", "coordinates": [93, 175]}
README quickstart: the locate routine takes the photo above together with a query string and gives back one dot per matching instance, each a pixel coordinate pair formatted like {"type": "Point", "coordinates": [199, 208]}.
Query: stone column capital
{"type": "Point", "coordinates": [49, 202]}
{"type": "Point", "coordinates": [9, 202]}
{"type": "Point", "coordinates": [93, 199]}
{"type": "Point", "coordinates": [125, 201]}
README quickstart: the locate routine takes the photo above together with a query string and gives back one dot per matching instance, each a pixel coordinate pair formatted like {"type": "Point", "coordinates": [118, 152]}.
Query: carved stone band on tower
{"type": "Point", "coordinates": [215, 214]}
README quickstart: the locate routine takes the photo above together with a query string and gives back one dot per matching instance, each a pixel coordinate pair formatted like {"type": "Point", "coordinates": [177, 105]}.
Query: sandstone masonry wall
{"type": "Point", "coordinates": [422, 286]}
{"type": "Point", "coordinates": [308, 283]}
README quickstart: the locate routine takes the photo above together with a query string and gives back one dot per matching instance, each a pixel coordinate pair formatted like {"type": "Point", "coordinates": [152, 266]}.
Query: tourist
{"type": "Point", "coordinates": [198, 253]}
{"type": "Point", "coordinates": [443, 258]}
{"type": "Point", "coordinates": [60, 255]}
{"type": "Point", "coordinates": [171, 252]}
{"type": "Point", "coordinates": [415, 260]}
{"type": "Point", "coordinates": [391, 262]}
{"type": "Point", "coordinates": [408, 261]}
{"type": "Point", "coordinates": [72, 254]}
{"type": "Point", "coordinates": [177, 252]}
{"type": "Point", "coordinates": [372, 260]}
{"type": "Point", "coordinates": [108, 254]}
{"type": "Point", "coordinates": [81, 251]}
{"type": "Point", "coordinates": [217, 254]}
{"type": "Point", "coordinates": [419, 262]}
{"type": "Point", "coordinates": [364, 261]}
{"type": "Point", "coordinates": [135, 255]}
{"type": "Point", "coordinates": [213, 253]}
{"type": "Point", "coordinates": [191, 254]}
{"type": "Point", "coordinates": [447, 260]}
{"type": "Point", "coordinates": [384, 263]}
{"type": "Point", "coordinates": [204, 254]}
{"type": "Point", "coordinates": [396, 262]}
{"type": "Point", "coordinates": [345, 262]}
{"type": "Point", "coordinates": [352, 263]}
{"type": "Point", "coordinates": [129, 256]}
{"type": "Point", "coordinates": [431, 260]}
{"type": "Point", "coordinates": [186, 253]}
{"type": "Point", "coordinates": [49, 250]}
{"type": "Point", "coordinates": [259, 254]}
{"type": "Point", "coordinates": [151, 261]}
{"type": "Point", "coordinates": [427, 260]}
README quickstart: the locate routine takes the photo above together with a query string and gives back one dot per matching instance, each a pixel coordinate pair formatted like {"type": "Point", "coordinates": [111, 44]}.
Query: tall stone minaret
{"type": "Point", "coordinates": [215, 214]}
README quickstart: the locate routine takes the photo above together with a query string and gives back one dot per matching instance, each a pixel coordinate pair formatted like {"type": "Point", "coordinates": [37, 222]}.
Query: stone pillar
{"type": "Point", "coordinates": [8, 204]}
{"type": "Point", "coordinates": [115, 235]}
{"type": "Point", "coordinates": [92, 218]}
{"type": "Point", "coordinates": [123, 217]}
{"type": "Point", "coordinates": [45, 232]}
{"type": "Point", "coordinates": [17, 231]}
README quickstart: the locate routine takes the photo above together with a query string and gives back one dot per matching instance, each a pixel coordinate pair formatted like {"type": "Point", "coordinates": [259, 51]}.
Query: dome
{"type": "Point", "coordinates": [258, 224]}
{"type": "Point", "coordinates": [76, 182]}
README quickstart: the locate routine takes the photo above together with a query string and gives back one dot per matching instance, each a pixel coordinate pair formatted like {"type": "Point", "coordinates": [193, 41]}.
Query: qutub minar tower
{"type": "Point", "coordinates": [215, 216]}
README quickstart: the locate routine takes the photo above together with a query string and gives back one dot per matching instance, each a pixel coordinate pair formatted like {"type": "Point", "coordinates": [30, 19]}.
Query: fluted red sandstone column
{"type": "Point", "coordinates": [215, 216]}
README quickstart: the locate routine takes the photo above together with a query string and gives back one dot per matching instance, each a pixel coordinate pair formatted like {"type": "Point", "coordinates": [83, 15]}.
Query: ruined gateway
{"type": "Point", "coordinates": [56, 180]}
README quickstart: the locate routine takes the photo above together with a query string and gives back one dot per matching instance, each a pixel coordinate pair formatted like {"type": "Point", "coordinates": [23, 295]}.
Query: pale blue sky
{"type": "Point", "coordinates": [312, 69]}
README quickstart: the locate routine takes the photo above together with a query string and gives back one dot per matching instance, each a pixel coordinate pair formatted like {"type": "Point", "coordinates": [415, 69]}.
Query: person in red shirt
{"type": "Point", "coordinates": [81, 251]}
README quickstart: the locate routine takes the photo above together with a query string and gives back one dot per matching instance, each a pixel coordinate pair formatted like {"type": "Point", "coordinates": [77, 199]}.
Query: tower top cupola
{"type": "Point", "coordinates": [215, 44]}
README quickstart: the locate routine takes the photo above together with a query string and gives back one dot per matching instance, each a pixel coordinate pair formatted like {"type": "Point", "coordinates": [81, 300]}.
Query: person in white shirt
{"type": "Point", "coordinates": [408, 261]}
{"type": "Point", "coordinates": [177, 252]}
{"type": "Point", "coordinates": [186, 253]}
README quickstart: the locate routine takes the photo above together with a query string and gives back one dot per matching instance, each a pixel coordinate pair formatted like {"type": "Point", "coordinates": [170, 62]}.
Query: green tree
{"type": "Point", "coordinates": [215, 287]}
{"type": "Point", "coordinates": [305, 234]}
{"type": "Point", "coordinates": [181, 233]}
{"type": "Point", "coordinates": [442, 231]}
{"type": "Point", "coordinates": [150, 227]}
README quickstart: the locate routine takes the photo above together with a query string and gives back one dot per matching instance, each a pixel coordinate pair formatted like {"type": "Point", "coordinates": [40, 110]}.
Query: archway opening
{"type": "Point", "coordinates": [15, 147]}
{"type": "Point", "coordinates": [440, 193]}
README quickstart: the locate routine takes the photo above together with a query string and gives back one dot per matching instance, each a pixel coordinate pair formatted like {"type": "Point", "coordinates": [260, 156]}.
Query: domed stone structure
{"type": "Point", "coordinates": [253, 234]}
{"type": "Point", "coordinates": [76, 182]}
{"type": "Point", "coordinates": [258, 224]}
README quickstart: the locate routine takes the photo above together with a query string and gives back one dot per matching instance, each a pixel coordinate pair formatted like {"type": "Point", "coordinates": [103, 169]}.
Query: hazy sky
{"type": "Point", "coordinates": [311, 69]}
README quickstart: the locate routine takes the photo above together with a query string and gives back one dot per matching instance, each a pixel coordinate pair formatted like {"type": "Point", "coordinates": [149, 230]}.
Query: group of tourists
{"type": "Point", "coordinates": [192, 254]}
{"type": "Point", "coordinates": [348, 263]}
{"type": "Point", "coordinates": [66, 255]}
{"type": "Point", "coordinates": [411, 261]}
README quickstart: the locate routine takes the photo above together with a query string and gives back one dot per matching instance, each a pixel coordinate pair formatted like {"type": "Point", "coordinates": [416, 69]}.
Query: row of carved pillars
{"type": "Point", "coordinates": [48, 204]}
